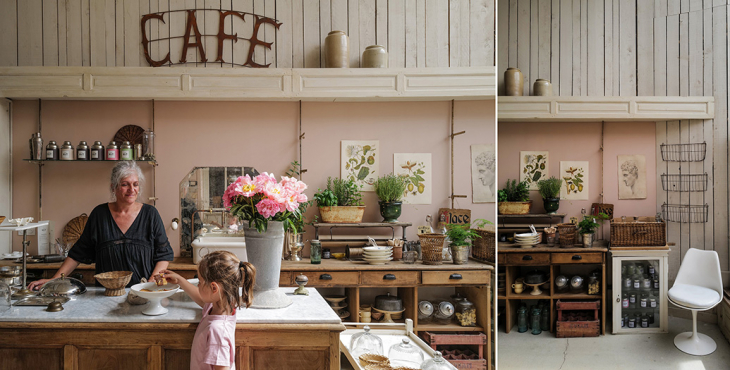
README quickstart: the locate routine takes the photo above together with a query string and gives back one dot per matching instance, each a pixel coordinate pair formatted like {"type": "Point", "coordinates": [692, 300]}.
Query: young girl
{"type": "Point", "coordinates": [220, 275]}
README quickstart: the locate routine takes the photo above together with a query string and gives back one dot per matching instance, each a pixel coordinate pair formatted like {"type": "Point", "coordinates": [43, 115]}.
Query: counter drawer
{"type": "Point", "coordinates": [390, 278]}
{"type": "Point", "coordinates": [329, 278]}
{"type": "Point", "coordinates": [577, 258]}
{"type": "Point", "coordinates": [478, 277]}
{"type": "Point", "coordinates": [285, 279]}
{"type": "Point", "coordinates": [501, 258]}
{"type": "Point", "coordinates": [528, 259]}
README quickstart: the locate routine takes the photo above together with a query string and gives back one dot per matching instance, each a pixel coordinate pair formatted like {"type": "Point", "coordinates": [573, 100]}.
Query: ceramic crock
{"type": "Point", "coordinates": [337, 50]}
{"type": "Point", "coordinates": [375, 56]}
{"type": "Point", "coordinates": [542, 87]}
{"type": "Point", "coordinates": [513, 82]}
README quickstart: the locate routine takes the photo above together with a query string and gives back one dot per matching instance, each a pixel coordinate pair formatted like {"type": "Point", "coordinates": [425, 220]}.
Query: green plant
{"type": "Point", "coordinates": [516, 191]}
{"type": "Point", "coordinates": [502, 196]}
{"type": "Point", "coordinates": [479, 223]}
{"type": "Point", "coordinates": [460, 234]}
{"type": "Point", "coordinates": [294, 170]}
{"type": "Point", "coordinates": [390, 187]}
{"type": "Point", "coordinates": [339, 193]}
{"type": "Point", "coordinates": [549, 188]}
{"type": "Point", "coordinates": [298, 221]}
{"type": "Point", "coordinates": [346, 191]}
{"type": "Point", "coordinates": [589, 224]}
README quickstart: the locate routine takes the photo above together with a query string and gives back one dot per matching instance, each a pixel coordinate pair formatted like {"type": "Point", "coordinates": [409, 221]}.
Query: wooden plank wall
{"type": "Point", "coordinates": [637, 47]}
{"type": "Point", "coordinates": [417, 33]}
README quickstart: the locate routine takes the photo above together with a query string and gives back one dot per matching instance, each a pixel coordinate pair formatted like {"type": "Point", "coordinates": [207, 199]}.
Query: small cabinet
{"type": "Point", "coordinates": [640, 290]}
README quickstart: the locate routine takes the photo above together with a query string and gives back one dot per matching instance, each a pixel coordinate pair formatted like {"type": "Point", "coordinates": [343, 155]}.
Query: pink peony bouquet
{"type": "Point", "coordinates": [263, 199]}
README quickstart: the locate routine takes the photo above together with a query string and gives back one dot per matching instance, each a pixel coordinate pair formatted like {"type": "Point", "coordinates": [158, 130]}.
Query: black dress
{"type": "Point", "coordinates": [138, 250]}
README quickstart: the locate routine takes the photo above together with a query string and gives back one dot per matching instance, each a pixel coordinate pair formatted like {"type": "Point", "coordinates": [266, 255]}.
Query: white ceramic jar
{"type": "Point", "coordinates": [337, 50]}
{"type": "Point", "coordinates": [375, 56]}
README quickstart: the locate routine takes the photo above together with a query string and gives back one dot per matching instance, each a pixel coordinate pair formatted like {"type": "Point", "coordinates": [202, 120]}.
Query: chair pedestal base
{"type": "Point", "coordinates": [698, 345]}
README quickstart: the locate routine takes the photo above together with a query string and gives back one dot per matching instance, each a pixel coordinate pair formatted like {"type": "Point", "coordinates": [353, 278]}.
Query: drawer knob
{"type": "Point", "coordinates": [577, 257]}
{"type": "Point", "coordinates": [455, 277]}
{"type": "Point", "coordinates": [325, 277]}
{"type": "Point", "coordinates": [388, 277]}
{"type": "Point", "coordinates": [527, 258]}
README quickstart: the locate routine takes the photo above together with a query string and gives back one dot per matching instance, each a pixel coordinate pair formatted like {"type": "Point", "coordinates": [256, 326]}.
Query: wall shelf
{"type": "Point", "coordinates": [604, 108]}
{"type": "Point", "coordinates": [252, 84]}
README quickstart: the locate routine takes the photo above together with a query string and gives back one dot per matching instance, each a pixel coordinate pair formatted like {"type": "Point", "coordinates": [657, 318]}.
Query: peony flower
{"type": "Point", "coordinates": [268, 208]}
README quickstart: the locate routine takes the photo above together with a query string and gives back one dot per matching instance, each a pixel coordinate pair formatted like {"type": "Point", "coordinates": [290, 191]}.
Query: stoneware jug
{"type": "Point", "coordinates": [513, 82]}
{"type": "Point", "coordinates": [375, 56]}
{"type": "Point", "coordinates": [337, 50]}
{"type": "Point", "coordinates": [542, 87]}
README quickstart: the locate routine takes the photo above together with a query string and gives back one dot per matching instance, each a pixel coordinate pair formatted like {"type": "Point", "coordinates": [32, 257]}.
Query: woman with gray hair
{"type": "Point", "coordinates": [122, 235]}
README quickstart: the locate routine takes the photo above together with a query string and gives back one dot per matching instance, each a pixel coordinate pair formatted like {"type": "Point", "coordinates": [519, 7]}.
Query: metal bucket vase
{"type": "Point", "coordinates": [264, 252]}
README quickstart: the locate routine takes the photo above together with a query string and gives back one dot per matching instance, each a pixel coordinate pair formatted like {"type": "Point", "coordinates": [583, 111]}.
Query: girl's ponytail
{"type": "Point", "coordinates": [248, 280]}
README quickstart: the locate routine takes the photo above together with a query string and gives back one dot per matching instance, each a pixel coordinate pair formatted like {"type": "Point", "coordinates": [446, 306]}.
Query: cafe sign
{"type": "Point", "coordinates": [194, 39]}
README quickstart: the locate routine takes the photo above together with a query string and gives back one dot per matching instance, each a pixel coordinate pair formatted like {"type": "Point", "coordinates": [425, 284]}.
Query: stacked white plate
{"type": "Point", "coordinates": [377, 255]}
{"type": "Point", "coordinates": [527, 240]}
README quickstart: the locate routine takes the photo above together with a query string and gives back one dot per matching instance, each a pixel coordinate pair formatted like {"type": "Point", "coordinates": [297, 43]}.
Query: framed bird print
{"type": "Point", "coordinates": [416, 168]}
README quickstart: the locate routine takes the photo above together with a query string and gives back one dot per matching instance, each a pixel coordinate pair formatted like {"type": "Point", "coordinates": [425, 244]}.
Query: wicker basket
{"type": "Point", "coordinates": [483, 248]}
{"type": "Point", "coordinates": [645, 232]}
{"type": "Point", "coordinates": [114, 282]}
{"type": "Point", "coordinates": [373, 359]}
{"type": "Point", "coordinates": [432, 246]}
{"type": "Point", "coordinates": [566, 234]}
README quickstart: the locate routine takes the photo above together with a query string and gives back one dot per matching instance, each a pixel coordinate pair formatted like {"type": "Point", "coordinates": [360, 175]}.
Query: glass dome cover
{"type": "Point", "coordinates": [365, 342]}
{"type": "Point", "coordinates": [405, 354]}
{"type": "Point", "coordinates": [436, 363]}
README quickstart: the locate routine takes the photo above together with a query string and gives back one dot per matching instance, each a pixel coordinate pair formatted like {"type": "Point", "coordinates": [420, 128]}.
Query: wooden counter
{"type": "Point", "coordinates": [98, 332]}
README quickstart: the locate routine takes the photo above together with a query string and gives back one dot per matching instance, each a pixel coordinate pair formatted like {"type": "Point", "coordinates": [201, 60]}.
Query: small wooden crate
{"type": "Point", "coordinates": [447, 339]}
{"type": "Point", "coordinates": [581, 328]}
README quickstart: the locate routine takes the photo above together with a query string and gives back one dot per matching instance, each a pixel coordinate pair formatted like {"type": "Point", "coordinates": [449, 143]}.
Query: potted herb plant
{"type": "Point", "coordinates": [341, 202]}
{"type": "Point", "coordinates": [514, 199]}
{"type": "Point", "coordinates": [587, 228]}
{"type": "Point", "coordinates": [549, 189]}
{"type": "Point", "coordinates": [390, 189]}
{"type": "Point", "coordinates": [460, 237]}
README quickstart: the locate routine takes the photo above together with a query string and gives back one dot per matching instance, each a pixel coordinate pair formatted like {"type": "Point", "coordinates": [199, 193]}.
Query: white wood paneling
{"type": "Point", "coordinates": [417, 33]}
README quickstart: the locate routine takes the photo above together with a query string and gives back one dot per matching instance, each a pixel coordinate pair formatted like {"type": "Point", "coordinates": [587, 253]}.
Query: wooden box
{"type": "Point", "coordinates": [447, 339]}
{"type": "Point", "coordinates": [568, 327]}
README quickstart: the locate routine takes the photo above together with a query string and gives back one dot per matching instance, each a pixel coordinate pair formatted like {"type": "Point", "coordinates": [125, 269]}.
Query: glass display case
{"type": "Point", "coordinates": [640, 291]}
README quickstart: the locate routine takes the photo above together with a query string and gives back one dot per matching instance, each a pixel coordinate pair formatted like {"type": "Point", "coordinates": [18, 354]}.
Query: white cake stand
{"type": "Point", "coordinates": [23, 292]}
{"type": "Point", "coordinates": [155, 296]}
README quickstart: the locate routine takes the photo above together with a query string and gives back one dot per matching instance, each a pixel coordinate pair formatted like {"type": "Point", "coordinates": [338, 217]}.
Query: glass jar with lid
{"type": "Point", "coordinates": [465, 312]}
{"type": "Point", "coordinates": [425, 312]}
{"type": "Point", "coordinates": [315, 252]}
{"type": "Point", "coordinates": [436, 363]}
{"type": "Point", "coordinates": [405, 354]}
{"type": "Point", "coordinates": [365, 342]}
{"type": "Point", "coordinates": [443, 312]}
{"type": "Point", "coordinates": [522, 319]}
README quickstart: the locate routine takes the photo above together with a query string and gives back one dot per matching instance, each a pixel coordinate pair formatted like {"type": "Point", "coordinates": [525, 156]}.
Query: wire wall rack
{"type": "Point", "coordinates": [685, 213]}
{"type": "Point", "coordinates": [694, 152]}
{"type": "Point", "coordinates": [684, 182]}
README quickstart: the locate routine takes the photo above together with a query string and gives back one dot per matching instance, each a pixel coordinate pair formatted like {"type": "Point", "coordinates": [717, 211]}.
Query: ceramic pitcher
{"type": "Point", "coordinates": [513, 82]}
{"type": "Point", "coordinates": [337, 50]}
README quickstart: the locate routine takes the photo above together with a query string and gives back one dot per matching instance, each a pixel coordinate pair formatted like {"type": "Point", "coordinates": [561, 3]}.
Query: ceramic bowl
{"type": "Point", "coordinates": [335, 299]}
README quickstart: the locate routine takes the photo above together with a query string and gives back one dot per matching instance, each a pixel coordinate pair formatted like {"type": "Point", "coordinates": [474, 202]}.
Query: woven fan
{"type": "Point", "coordinates": [74, 228]}
{"type": "Point", "coordinates": [131, 133]}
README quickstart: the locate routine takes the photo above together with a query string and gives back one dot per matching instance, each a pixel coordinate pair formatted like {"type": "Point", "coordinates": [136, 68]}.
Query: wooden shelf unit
{"type": "Point", "coordinates": [550, 259]}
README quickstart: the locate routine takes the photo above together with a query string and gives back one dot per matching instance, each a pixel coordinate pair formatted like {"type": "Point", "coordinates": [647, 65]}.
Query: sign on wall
{"type": "Point", "coordinates": [194, 39]}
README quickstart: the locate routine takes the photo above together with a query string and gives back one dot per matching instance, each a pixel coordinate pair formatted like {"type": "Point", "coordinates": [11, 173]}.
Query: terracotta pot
{"type": "Point", "coordinates": [513, 82]}
{"type": "Point", "coordinates": [342, 214]}
{"type": "Point", "coordinates": [514, 208]}
{"type": "Point", "coordinates": [542, 87]}
{"type": "Point", "coordinates": [375, 56]}
{"type": "Point", "coordinates": [337, 50]}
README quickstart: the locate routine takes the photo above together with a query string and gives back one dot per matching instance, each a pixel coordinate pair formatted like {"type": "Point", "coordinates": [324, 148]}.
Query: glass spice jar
{"type": "Point", "coordinates": [644, 301]}
{"type": "Point", "coordinates": [466, 313]}
{"type": "Point", "coordinates": [632, 300]}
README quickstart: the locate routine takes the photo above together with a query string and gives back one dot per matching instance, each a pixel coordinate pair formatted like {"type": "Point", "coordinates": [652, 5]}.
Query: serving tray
{"type": "Point", "coordinates": [40, 301]}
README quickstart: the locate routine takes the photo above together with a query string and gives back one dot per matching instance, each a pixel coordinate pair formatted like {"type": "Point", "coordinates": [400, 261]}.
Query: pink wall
{"type": "Point", "coordinates": [582, 142]}
{"type": "Point", "coordinates": [258, 134]}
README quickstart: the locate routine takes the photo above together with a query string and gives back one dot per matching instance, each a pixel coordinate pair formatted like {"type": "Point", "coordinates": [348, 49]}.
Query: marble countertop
{"type": "Point", "coordinates": [94, 306]}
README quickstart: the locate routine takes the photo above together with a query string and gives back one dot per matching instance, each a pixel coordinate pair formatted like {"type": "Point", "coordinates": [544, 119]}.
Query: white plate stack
{"type": "Point", "coordinates": [527, 240]}
{"type": "Point", "coordinates": [377, 255]}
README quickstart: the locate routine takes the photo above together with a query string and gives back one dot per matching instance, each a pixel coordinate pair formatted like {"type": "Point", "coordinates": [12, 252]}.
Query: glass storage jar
{"type": "Point", "coordinates": [365, 342]}
{"type": "Point", "coordinates": [315, 252]}
{"type": "Point", "coordinates": [466, 313]}
{"type": "Point", "coordinates": [405, 354]}
{"type": "Point", "coordinates": [443, 312]}
{"type": "Point", "coordinates": [425, 312]}
{"type": "Point", "coordinates": [522, 319]}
